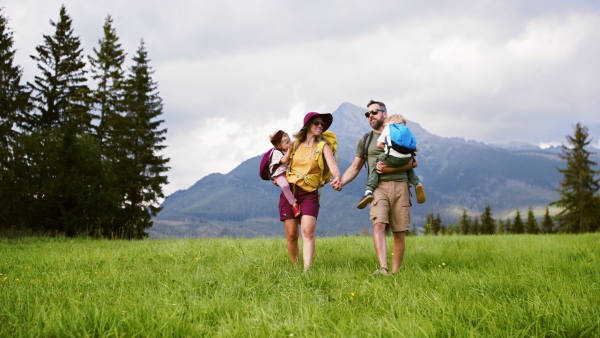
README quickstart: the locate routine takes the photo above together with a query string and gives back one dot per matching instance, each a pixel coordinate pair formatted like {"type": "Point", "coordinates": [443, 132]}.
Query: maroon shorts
{"type": "Point", "coordinates": [309, 203]}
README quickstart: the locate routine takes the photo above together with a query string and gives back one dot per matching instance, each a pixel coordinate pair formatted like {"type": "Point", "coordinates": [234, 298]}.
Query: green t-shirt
{"type": "Point", "coordinates": [374, 152]}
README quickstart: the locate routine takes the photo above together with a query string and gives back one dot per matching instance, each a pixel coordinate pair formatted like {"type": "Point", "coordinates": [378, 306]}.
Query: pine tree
{"type": "Point", "coordinates": [501, 229]}
{"type": "Point", "coordinates": [488, 225]}
{"type": "Point", "coordinates": [547, 223]}
{"type": "Point", "coordinates": [475, 226]}
{"type": "Point", "coordinates": [107, 69]}
{"type": "Point", "coordinates": [61, 95]}
{"type": "Point", "coordinates": [531, 226]}
{"type": "Point", "coordinates": [143, 169]}
{"type": "Point", "coordinates": [508, 228]}
{"type": "Point", "coordinates": [14, 107]}
{"type": "Point", "coordinates": [65, 172]}
{"type": "Point", "coordinates": [438, 224]}
{"type": "Point", "coordinates": [578, 190]}
{"type": "Point", "coordinates": [518, 227]}
{"type": "Point", "coordinates": [108, 101]}
{"type": "Point", "coordinates": [465, 223]}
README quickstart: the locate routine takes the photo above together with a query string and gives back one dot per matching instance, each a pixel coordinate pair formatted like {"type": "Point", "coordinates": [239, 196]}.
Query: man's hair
{"type": "Point", "coordinates": [381, 105]}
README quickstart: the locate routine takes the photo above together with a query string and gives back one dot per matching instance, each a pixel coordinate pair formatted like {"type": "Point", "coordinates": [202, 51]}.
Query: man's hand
{"type": "Point", "coordinates": [382, 168]}
{"type": "Point", "coordinates": [336, 184]}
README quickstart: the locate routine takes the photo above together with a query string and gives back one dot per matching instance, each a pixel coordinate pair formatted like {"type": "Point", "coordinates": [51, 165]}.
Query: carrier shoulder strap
{"type": "Point", "coordinates": [366, 141]}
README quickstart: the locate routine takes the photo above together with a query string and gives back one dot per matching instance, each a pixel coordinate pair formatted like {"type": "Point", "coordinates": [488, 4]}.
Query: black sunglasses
{"type": "Point", "coordinates": [372, 113]}
{"type": "Point", "coordinates": [318, 123]}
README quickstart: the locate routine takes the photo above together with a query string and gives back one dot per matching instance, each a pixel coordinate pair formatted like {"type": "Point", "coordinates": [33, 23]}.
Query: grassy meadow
{"type": "Point", "coordinates": [511, 285]}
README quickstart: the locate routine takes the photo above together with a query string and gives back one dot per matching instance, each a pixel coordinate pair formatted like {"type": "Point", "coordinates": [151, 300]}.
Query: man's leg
{"type": "Point", "coordinates": [398, 251]}
{"type": "Point", "coordinates": [291, 232]}
{"type": "Point", "coordinates": [380, 244]}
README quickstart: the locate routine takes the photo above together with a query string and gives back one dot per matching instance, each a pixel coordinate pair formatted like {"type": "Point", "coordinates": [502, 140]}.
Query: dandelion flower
{"type": "Point", "coordinates": [443, 263]}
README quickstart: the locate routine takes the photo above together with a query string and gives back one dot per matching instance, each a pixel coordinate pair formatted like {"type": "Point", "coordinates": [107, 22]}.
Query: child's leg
{"type": "Point", "coordinates": [372, 180]}
{"type": "Point", "coordinates": [282, 182]}
{"type": "Point", "coordinates": [412, 177]}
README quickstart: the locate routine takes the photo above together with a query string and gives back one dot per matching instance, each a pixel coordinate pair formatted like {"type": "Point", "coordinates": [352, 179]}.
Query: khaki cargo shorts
{"type": "Point", "coordinates": [391, 205]}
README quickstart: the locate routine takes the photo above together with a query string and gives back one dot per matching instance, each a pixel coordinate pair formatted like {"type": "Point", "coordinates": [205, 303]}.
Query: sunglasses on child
{"type": "Point", "coordinates": [318, 123]}
{"type": "Point", "coordinates": [372, 113]}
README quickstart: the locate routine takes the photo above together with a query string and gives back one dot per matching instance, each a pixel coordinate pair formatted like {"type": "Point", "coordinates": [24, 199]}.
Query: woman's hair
{"type": "Point", "coordinates": [301, 135]}
{"type": "Point", "coordinates": [396, 118]}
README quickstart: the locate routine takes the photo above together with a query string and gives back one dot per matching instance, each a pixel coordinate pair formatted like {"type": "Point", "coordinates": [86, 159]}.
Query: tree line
{"type": "Point", "coordinates": [579, 201]}
{"type": "Point", "coordinates": [77, 160]}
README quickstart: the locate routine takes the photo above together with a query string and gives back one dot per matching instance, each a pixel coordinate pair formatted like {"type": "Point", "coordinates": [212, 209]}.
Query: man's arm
{"type": "Point", "coordinates": [350, 173]}
{"type": "Point", "coordinates": [382, 168]}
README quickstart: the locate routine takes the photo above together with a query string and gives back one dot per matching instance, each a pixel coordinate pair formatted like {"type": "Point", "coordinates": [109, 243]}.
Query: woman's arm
{"type": "Point", "coordinates": [331, 163]}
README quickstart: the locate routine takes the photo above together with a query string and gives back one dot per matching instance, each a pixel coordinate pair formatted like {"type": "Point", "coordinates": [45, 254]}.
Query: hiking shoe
{"type": "Point", "coordinates": [296, 209]}
{"type": "Point", "coordinates": [420, 194]}
{"type": "Point", "coordinates": [365, 200]}
{"type": "Point", "coordinates": [382, 272]}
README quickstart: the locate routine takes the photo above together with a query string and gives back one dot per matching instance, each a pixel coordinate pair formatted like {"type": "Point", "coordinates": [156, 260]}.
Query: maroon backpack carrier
{"type": "Point", "coordinates": [265, 162]}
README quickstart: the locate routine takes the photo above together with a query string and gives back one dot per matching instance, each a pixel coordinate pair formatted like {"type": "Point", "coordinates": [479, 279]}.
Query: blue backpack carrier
{"type": "Point", "coordinates": [403, 140]}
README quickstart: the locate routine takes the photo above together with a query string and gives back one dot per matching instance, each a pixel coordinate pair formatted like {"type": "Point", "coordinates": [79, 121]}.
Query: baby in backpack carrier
{"type": "Point", "coordinates": [281, 155]}
{"type": "Point", "coordinates": [394, 159]}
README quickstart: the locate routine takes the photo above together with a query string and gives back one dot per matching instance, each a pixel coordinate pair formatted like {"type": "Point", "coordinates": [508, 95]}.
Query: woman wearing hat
{"type": "Point", "coordinates": [302, 169]}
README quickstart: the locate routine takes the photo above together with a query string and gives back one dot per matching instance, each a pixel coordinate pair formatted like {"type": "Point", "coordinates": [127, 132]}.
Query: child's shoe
{"type": "Point", "coordinates": [296, 209]}
{"type": "Point", "coordinates": [367, 198]}
{"type": "Point", "coordinates": [420, 194]}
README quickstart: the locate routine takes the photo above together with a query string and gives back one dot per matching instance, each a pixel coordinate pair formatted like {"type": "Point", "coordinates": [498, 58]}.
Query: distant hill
{"type": "Point", "coordinates": [457, 174]}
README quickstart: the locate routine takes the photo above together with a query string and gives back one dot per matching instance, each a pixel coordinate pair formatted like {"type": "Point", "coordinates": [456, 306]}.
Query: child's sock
{"type": "Point", "coordinates": [368, 191]}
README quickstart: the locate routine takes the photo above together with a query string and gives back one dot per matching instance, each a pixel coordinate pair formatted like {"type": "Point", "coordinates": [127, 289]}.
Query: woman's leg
{"type": "Point", "coordinates": [282, 182]}
{"type": "Point", "coordinates": [291, 232]}
{"type": "Point", "coordinates": [308, 225]}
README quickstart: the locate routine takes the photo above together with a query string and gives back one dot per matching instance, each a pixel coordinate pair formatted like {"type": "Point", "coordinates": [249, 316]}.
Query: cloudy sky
{"type": "Point", "coordinates": [231, 72]}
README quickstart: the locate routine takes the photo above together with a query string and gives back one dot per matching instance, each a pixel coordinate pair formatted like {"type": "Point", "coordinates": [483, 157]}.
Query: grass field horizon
{"type": "Point", "coordinates": [509, 285]}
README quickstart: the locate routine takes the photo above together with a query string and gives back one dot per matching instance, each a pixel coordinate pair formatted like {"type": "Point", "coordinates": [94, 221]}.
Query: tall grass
{"type": "Point", "coordinates": [513, 285]}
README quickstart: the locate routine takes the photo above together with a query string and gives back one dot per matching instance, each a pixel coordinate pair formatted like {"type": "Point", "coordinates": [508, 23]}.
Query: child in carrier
{"type": "Point", "coordinates": [394, 159]}
{"type": "Point", "coordinates": [281, 155]}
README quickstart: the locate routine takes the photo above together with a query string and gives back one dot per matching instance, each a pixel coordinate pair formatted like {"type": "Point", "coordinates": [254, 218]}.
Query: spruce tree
{"type": "Point", "coordinates": [60, 93]}
{"type": "Point", "coordinates": [465, 223]}
{"type": "Point", "coordinates": [438, 224]}
{"type": "Point", "coordinates": [518, 227]}
{"type": "Point", "coordinates": [475, 226]}
{"type": "Point", "coordinates": [531, 226]}
{"type": "Point", "coordinates": [107, 70]}
{"type": "Point", "coordinates": [107, 98]}
{"type": "Point", "coordinates": [508, 228]}
{"type": "Point", "coordinates": [65, 168]}
{"type": "Point", "coordinates": [547, 223]}
{"type": "Point", "coordinates": [144, 168]}
{"type": "Point", "coordinates": [578, 190]}
{"type": "Point", "coordinates": [488, 225]}
{"type": "Point", "coordinates": [14, 107]}
{"type": "Point", "coordinates": [501, 229]}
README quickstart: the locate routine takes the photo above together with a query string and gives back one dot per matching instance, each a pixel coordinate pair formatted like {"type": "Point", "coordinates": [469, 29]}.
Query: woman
{"type": "Point", "coordinates": [302, 165]}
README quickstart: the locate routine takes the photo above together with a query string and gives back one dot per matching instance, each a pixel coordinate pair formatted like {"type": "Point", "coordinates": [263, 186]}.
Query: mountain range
{"type": "Point", "coordinates": [457, 174]}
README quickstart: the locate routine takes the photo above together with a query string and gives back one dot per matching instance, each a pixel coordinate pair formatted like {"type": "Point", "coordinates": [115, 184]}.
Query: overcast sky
{"type": "Point", "coordinates": [231, 72]}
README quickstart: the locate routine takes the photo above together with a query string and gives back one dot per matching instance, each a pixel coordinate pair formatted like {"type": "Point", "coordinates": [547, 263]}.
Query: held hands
{"type": "Point", "coordinates": [336, 184]}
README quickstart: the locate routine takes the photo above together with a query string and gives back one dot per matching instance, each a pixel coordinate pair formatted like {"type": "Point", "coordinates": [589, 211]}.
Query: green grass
{"type": "Point", "coordinates": [513, 285]}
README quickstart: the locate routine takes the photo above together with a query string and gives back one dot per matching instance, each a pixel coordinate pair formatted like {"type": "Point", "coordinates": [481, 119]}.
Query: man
{"type": "Point", "coordinates": [391, 199]}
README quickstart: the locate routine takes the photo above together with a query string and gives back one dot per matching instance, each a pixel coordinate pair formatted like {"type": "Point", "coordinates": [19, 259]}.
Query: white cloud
{"type": "Point", "coordinates": [232, 72]}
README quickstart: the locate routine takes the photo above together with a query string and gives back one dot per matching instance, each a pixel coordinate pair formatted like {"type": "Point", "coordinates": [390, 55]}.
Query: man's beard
{"type": "Point", "coordinates": [376, 124]}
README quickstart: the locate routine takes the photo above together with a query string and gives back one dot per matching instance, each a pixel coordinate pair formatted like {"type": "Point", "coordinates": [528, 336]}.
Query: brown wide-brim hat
{"type": "Point", "coordinates": [327, 119]}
